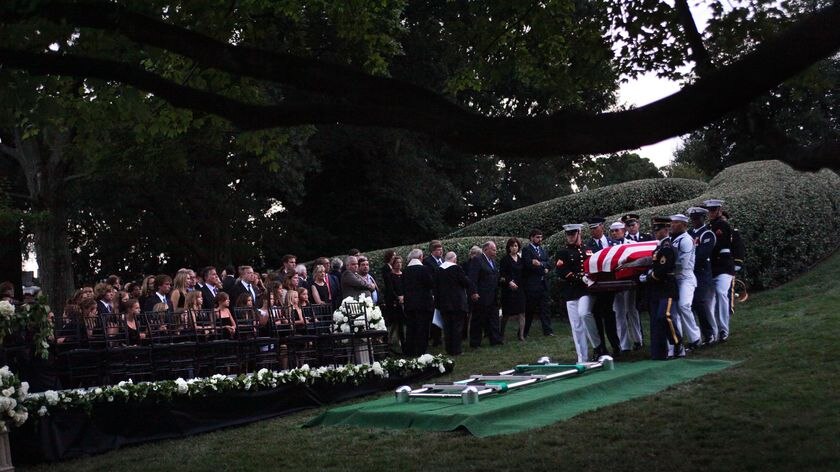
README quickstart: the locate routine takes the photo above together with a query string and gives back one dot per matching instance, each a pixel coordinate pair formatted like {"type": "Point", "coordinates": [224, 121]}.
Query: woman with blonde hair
{"type": "Point", "coordinates": [179, 291]}
{"type": "Point", "coordinates": [147, 289]}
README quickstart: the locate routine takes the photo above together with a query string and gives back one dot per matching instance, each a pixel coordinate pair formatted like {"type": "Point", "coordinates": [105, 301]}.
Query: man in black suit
{"type": "Point", "coordinates": [210, 287]}
{"type": "Point", "coordinates": [163, 285]}
{"type": "Point", "coordinates": [484, 278]}
{"type": "Point", "coordinates": [247, 279]}
{"type": "Point", "coordinates": [433, 261]}
{"type": "Point", "coordinates": [535, 267]}
{"type": "Point", "coordinates": [418, 304]}
{"type": "Point", "coordinates": [229, 279]}
{"type": "Point", "coordinates": [104, 298]}
{"type": "Point", "coordinates": [451, 286]}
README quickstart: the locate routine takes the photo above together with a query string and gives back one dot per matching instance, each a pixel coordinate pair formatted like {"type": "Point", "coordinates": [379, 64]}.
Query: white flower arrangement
{"type": "Point", "coordinates": [372, 316]}
{"type": "Point", "coordinates": [13, 410]}
{"type": "Point", "coordinates": [7, 310]}
{"type": "Point", "coordinates": [166, 390]}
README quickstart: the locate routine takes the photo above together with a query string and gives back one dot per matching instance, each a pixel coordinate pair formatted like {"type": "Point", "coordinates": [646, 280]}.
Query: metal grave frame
{"type": "Point", "coordinates": [478, 385]}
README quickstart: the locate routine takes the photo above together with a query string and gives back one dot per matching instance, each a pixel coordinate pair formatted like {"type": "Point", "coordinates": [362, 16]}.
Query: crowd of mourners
{"type": "Point", "coordinates": [431, 299]}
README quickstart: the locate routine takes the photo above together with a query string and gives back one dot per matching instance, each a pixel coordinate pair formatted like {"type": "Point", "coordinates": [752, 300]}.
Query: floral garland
{"type": "Point", "coordinates": [34, 317]}
{"type": "Point", "coordinates": [344, 322]}
{"type": "Point", "coordinates": [166, 390]}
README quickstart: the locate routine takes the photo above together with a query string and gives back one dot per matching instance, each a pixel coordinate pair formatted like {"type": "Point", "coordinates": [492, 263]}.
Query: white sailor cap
{"type": "Point", "coordinates": [696, 211]}
{"type": "Point", "coordinates": [713, 203]}
{"type": "Point", "coordinates": [679, 217]}
{"type": "Point", "coordinates": [617, 225]}
{"type": "Point", "coordinates": [572, 227]}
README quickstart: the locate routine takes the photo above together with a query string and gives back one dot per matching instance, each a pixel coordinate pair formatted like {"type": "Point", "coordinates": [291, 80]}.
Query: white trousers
{"type": "Point", "coordinates": [583, 326]}
{"type": "Point", "coordinates": [723, 286]}
{"type": "Point", "coordinates": [683, 316]}
{"type": "Point", "coordinates": [627, 321]}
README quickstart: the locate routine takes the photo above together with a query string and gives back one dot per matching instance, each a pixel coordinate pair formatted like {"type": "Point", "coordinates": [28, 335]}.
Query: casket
{"type": "Point", "coordinates": [616, 268]}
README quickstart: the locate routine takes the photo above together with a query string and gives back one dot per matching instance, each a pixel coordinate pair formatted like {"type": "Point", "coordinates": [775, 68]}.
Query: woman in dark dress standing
{"type": "Point", "coordinates": [394, 316]}
{"type": "Point", "coordinates": [510, 278]}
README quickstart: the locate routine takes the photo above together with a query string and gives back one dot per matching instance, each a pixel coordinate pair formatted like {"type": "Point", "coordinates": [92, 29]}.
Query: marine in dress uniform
{"type": "Point", "coordinates": [683, 246]}
{"type": "Point", "coordinates": [569, 271]}
{"type": "Point", "coordinates": [723, 266]}
{"type": "Point", "coordinates": [704, 295]}
{"type": "Point", "coordinates": [661, 291]}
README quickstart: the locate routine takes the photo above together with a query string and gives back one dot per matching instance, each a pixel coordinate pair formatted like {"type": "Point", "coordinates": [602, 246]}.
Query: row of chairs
{"type": "Point", "coordinates": [102, 350]}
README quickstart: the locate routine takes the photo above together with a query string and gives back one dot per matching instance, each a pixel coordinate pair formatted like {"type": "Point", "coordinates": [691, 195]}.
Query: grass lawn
{"type": "Point", "coordinates": [777, 410]}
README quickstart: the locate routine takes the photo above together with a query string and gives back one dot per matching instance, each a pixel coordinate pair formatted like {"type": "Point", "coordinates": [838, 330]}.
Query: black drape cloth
{"type": "Point", "coordinates": [65, 435]}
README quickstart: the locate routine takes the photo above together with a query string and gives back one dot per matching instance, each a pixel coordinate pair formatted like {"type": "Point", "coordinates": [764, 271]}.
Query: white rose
{"type": "Point", "coordinates": [425, 359]}
{"type": "Point", "coordinates": [8, 392]}
{"type": "Point", "coordinates": [42, 411]}
{"type": "Point", "coordinates": [442, 368]}
{"type": "Point", "coordinates": [51, 396]}
{"type": "Point", "coordinates": [97, 391]}
{"type": "Point", "coordinates": [23, 389]}
{"type": "Point", "coordinates": [182, 385]}
{"type": "Point", "coordinates": [4, 372]}
{"type": "Point", "coordinates": [345, 328]}
{"type": "Point", "coordinates": [377, 369]}
{"type": "Point", "coordinates": [6, 309]}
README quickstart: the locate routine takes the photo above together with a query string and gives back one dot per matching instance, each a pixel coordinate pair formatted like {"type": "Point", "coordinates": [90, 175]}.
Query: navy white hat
{"type": "Point", "coordinates": [572, 227]}
{"type": "Point", "coordinates": [679, 217]}
{"type": "Point", "coordinates": [697, 211]}
{"type": "Point", "coordinates": [617, 225]}
{"type": "Point", "coordinates": [595, 221]}
{"type": "Point", "coordinates": [713, 203]}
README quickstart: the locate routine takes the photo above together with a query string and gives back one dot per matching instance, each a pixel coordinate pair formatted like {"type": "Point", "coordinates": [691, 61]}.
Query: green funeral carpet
{"type": "Point", "coordinates": [526, 408]}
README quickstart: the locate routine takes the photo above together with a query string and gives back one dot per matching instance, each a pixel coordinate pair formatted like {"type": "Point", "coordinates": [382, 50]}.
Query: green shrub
{"type": "Point", "coordinates": [550, 215]}
{"type": "Point", "coordinates": [782, 215]}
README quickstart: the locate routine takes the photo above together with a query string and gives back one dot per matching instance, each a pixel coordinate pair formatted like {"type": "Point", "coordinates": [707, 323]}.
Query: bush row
{"type": "Point", "coordinates": [550, 215]}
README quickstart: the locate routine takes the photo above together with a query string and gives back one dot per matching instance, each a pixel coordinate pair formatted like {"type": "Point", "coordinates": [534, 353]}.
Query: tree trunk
{"type": "Point", "coordinates": [53, 253]}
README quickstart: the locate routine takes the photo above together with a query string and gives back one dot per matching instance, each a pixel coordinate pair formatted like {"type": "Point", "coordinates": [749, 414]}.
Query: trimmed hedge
{"type": "Point", "coordinates": [549, 216]}
{"type": "Point", "coordinates": [782, 214]}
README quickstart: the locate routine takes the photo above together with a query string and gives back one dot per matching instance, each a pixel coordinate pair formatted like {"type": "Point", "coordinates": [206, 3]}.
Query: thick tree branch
{"type": "Point", "coordinates": [361, 99]}
{"type": "Point", "coordinates": [699, 54]}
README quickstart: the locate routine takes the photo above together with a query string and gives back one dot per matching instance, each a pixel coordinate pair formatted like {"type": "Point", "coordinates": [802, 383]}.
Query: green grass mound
{"type": "Point", "coordinates": [782, 214]}
{"type": "Point", "coordinates": [550, 215]}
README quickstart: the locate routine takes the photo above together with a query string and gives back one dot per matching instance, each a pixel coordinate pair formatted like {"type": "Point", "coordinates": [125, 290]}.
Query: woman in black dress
{"type": "Point", "coordinates": [394, 317]}
{"type": "Point", "coordinates": [136, 333]}
{"type": "Point", "coordinates": [510, 278]}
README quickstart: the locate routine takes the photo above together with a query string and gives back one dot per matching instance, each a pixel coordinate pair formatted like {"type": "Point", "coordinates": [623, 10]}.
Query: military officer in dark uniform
{"type": "Point", "coordinates": [569, 271]}
{"type": "Point", "coordinates": [662, 291]}
{"type": "Point", "coordinates": [633, 226]}
{"type": "Point", "coordinates": [703, 304]}
{"type": "Point", "coordinates": [602, 302]}
{"type": "Point", "coordinates": [723, 266]}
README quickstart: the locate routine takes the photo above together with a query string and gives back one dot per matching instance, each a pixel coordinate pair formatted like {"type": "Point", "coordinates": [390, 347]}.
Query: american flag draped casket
{"type": "Point", "coordinates": [616, 267]}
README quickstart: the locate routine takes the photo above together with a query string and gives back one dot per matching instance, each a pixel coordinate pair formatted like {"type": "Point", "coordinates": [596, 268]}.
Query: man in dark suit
{"type": "Point", "coordinates": [433, 261]}
{"type": "Point", "coordinates": [247, 279]}
{"type": "Point", "coordinates": [484, 278]}
{"type": "Point", "coordinates": [535, 267]}
{"type": "Point", "coordinates": [602, 305]}
{"type": "Point", "coordinates": [163, 285]}
{"type": "Point", "coordinates": [451, 286]}
{"type": "Point", "coordinates": [209, 288]}
{"type": "Point", "coordinates": [104, 298]}
{"type": "Point", "coordinates": [418, 304]}
{"type": "Point", "coordinates": [352, 284]}
{"type": "Point", "coordinates": [229, 279]}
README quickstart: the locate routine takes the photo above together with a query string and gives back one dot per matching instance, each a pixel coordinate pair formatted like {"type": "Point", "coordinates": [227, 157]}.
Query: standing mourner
{"type": "Point", "coordinates": [451, 286]}
{"type": "Point", "coordinates": [535, 267]}
{"type": "Point", "coordinates": [484, 276]}
{"type": "Point", "coordinates": [394, 299]}
{"type": "Point", "coordinates": [513, 294]}
{"type": "Point", "coordinates": [703, 303]}
{"type": "Point", "coordinates": [569, 270]}
{"type": "Point", "coordinates": [723, 266]}
{"type": "Point", "coordinates": [683, 246]}
{"type": "Point", "coordinates": [602, 302]}
{"type": "Point", "coordinates": [418, 303]}
{"type": "Point", "coordinates": [433, 261]}
{"type": "Point", "coordinates": [661, 291]}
